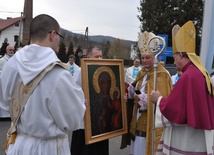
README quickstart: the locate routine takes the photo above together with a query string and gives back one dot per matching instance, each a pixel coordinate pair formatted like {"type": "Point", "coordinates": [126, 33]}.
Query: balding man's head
{"type": "Point", "coordinates": [10, 50]}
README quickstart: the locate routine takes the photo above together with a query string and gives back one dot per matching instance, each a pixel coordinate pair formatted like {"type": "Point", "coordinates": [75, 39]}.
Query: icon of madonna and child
{"type": "Point", "coordinates": [105, 102]}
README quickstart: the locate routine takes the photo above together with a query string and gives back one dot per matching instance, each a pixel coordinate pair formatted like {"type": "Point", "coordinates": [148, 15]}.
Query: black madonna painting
{"type": "Point", "coordinates": [103, 85]}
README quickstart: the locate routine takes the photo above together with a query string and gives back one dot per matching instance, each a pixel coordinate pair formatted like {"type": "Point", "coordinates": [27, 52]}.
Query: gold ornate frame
{"type": "Point", "coordinates": [91, 69]}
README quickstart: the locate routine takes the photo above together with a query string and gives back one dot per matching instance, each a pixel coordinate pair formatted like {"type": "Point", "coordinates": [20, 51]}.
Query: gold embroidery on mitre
{"type": "Point", "coordinates": [191, 35]}
{"type": "Point", "coordinates": [143, 41]}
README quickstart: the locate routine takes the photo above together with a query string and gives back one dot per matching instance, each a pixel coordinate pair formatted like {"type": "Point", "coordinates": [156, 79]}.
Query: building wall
{"type": "Point", "coordinates": [9, 33]}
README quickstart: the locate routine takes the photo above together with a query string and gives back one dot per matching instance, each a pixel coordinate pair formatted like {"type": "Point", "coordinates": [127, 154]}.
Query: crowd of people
{"type": "Point", "coordinates": [47, 103]}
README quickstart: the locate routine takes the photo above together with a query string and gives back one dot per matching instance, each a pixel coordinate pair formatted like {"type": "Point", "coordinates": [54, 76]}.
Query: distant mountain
{"type": "Point", "coordinates": [96, 38]}
{"type": "Point", "coordinates": [101, 38]}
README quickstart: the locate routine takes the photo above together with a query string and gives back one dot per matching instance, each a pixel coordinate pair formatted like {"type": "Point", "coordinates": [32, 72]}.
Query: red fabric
{"type": "Point", "coordinates": [190, 102]}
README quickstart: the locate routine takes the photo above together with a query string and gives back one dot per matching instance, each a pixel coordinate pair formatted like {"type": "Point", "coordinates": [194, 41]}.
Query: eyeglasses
{"type": "Point", "coordinates": [61, 36]}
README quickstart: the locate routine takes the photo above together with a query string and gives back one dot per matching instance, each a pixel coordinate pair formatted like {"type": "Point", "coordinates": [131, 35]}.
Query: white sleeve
{"type": "Point", "coordinates": [131, 91]}
{"type": "Point", "coordinates": [78, 77]}
{"type": "Point", "coordinates": [160, 120]}
{"type": "Point", "coordinates": [128, 75]}
{"type": "Point", "coordinates": [68, 105]}
{"type": "Point", "coordinates": [2, 103]}
{"type": "Point", "coordinates": [142, 101]}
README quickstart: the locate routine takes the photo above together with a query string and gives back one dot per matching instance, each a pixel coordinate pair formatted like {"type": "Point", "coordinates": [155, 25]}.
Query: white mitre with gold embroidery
{"type": "Point", "coordinates": [143, 42]}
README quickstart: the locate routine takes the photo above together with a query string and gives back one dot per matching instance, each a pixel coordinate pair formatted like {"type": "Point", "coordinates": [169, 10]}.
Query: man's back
{"type": "Point", "coordinates": [52, 110]}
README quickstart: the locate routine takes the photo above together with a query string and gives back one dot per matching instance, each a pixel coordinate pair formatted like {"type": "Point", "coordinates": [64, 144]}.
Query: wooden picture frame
{"type": "Point", "coordinates": [104, 88]}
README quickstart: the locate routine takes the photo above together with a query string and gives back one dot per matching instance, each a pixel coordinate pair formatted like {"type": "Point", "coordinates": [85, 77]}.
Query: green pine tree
{"type": "Point", "coordinates": [78, 55]}
{"type": "Point", "coordinates": [62, 53]}
{"type": "Point", "coordinates": [70, 49]}
{"type": "Point", "coordinates": [106, 49]}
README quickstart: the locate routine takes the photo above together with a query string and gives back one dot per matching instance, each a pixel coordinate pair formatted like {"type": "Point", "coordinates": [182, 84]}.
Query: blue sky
{"type": "Point", "coordinates": [117, 18]}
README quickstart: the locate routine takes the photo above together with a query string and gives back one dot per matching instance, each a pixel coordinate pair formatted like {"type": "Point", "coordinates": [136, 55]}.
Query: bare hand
{"type": "Point", "coordinates": [154, 96]}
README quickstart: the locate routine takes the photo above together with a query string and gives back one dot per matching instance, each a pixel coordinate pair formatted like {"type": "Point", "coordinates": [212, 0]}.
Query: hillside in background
{"type": "Point", "coordinates": [77, 37]}
{"type": "Point", "coordinates": [96, 38]}
{"type": "Point", "coordinates": [112, 47]}
{"type": "Point", "coordinates": [102, 38]}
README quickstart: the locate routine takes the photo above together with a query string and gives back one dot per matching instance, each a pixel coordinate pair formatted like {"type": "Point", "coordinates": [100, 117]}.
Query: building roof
{"type": "Point", "coordinates": [5, 23]}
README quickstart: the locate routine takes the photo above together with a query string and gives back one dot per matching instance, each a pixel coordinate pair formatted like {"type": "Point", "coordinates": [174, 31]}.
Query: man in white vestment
{"type": "Point", "coordinates": [9, 53]}
{"type": "Point", "coordinates": [55, 107]}
{"type": "Point", "coordinates": [75, 69]}
{"type": "Point", "coordinates": [131, 72]}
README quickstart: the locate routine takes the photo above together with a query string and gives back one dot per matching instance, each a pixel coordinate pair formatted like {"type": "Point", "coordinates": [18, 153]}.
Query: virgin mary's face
{"type": "Point", "coordinates": [115, 94]}
{"type": "Point", "coordinates": [105, 83]}
{"type": "Point", "coordinates": [105, 86]}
